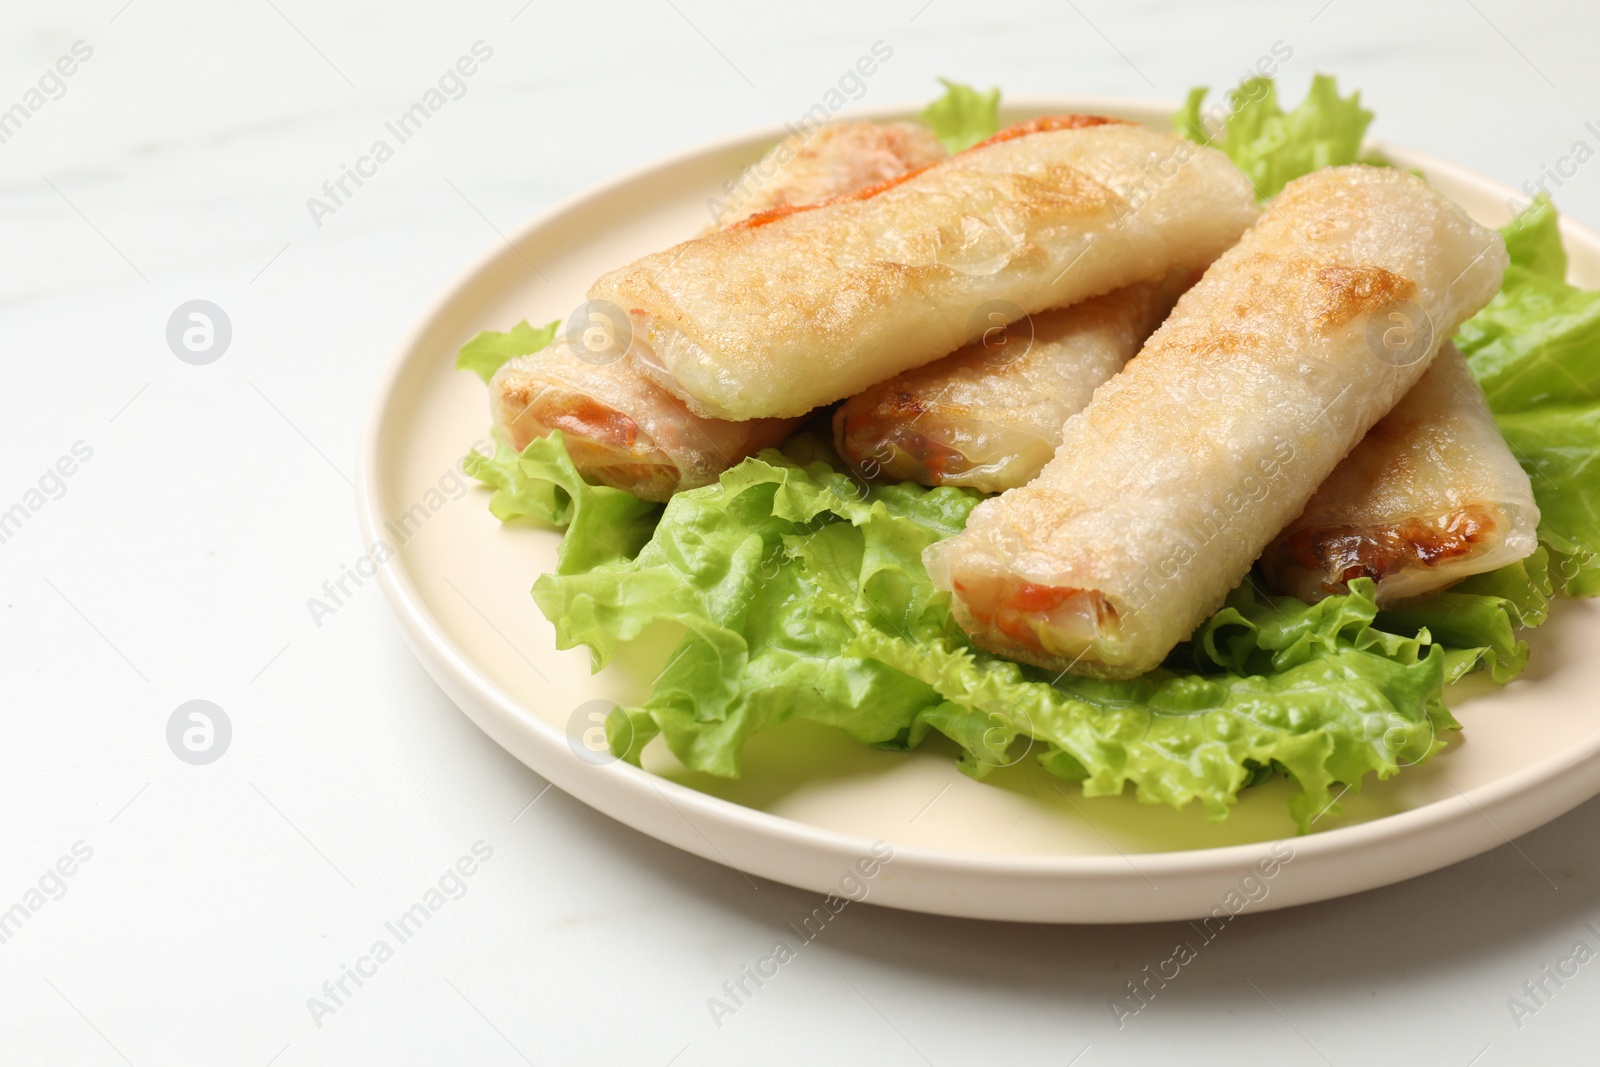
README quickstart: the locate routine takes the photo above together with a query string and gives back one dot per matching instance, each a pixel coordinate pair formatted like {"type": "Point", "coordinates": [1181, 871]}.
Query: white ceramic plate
{"type": "Point", "coordinates": [1019, 845]}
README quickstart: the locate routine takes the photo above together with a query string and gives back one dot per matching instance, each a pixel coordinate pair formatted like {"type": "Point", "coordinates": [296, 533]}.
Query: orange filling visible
{"type": "Point", "coordinates": [866, 192]}
{"type": "Point", "coordinates": [910, 454]}
{"type": "Point", "coordinates": [1040, 599]}
{"type": "Point", "coordinates": [1344, 553]}
{"type": "Point", "coordinates": [1043, 124]}
{"type": "Point", "coordinates": [942, 461]}
{"type": "Point", "coordinates": [610, 449]}
{"type": "Point", "coordinates": [1028, 612]}
{"type": "Point", "coordinates": [584, 417]}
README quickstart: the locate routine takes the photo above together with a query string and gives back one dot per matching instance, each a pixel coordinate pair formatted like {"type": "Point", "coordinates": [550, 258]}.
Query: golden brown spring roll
{"type": "Point", "coordinates": [990, 415]}
{"type": "Point", "coordinates": [836, 160]}
{"type": "Point", "coordinates": [1183, 467]}
{"type": "Point", "coordinates": [1431, 495]}
{"type": "Point", "coordinates": [776, 318]}
{"type": "Point", "coordinates": [622, 430]}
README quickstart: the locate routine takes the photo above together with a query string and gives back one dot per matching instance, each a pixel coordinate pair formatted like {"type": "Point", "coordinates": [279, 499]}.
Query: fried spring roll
{"type": "Point", "coordinates": [1431, 495]}
{"type": "Point", "coordinates": [989, 416]}
{"type": "Point", "coordinates": [779, 315]}
{"type": "Point", "coordinates": [1184, 466]}
{"type": "Point", "coordinates": [836, 160]}
{"type": "Point", "coordinates": [620, 429]}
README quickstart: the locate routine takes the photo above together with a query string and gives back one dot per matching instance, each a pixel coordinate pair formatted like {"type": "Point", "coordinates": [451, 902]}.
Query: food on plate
{"type": "Point", "coordinates": [1431, 495]}
{"type": "Point", "coordinates": [621, 429]}
{"type": "Point", "coordinates": [778, 315]}
{"type": "Point", "coordinates": [1536, 351]}
{"type": "Point", "coordinates": [989, 415]}
{"type": "Point", "coordinates": [1273, 147]}
{"type": "Point", "coordinates": [800, 590]}
{"type": "Point", "coordinates": [1183, 467]}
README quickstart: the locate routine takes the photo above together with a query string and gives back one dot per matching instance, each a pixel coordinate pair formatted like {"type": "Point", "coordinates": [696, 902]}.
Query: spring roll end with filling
{"type": "Point", "coordinates": [619, 429]}
{"type": "Point", "coordinates": [1184, 466]}
{"type": "Point", "coordinates": [1431, 495]}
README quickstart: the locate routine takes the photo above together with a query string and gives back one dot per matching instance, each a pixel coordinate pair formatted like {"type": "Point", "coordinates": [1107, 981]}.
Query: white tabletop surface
{"type": "Point", "coordinates": [176, 561]}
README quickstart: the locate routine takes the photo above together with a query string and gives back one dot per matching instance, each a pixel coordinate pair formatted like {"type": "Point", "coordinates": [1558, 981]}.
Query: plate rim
{"type": "Point", "coordinates": [497, 712]}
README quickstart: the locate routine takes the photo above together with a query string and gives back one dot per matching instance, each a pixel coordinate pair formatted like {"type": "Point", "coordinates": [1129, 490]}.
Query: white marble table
{"type": "Point", "coordinates": [206, 904]}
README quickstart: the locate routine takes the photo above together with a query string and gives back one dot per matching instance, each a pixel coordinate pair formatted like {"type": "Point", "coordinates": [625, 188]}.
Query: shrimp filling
{"type": "Point", "coordinates": [607, 445]}
{"type": "Point", "coordinates": [1055, 620]}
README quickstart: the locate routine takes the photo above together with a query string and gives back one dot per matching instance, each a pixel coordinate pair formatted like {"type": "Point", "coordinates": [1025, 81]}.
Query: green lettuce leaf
{"type": "Point", "coordinates": [1478, 619]}
{"type": "Point", "coordinates": [1533, 240]}
{"type": "Point", "coordinates": [517, 496]}
{"type": "Point", "coordinates": [1535, 343]}
{"type": "Point", "coordinates": [542, 485]}
{"type": "Point", "coordinates": [1559, 446]}
{"type": "Point", "coordinates": [1273, 147]}
{"type": "Point", "coordinates": [803, 595]}
{"type": "Point", "coordinates": [484, 354]}
{"type": "Point", "coordinates": [1536, 350]}
{"type": "Point", "coordinates": [962, 116]}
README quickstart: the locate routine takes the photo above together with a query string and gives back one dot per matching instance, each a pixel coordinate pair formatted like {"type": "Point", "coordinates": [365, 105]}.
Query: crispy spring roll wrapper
{"type": "Point", "coordinates": [989, 416]}
{"type": "Point", "coordinates": [620, 429]}
{"type": "Point", "coordinates": [1431, 495]}
{"type": "Point", "coordinates": [779, 315]}
{"type": "Point", "coordinates": [1184, 466]}
{"type": "Point", "coordinates": [839, 159]}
